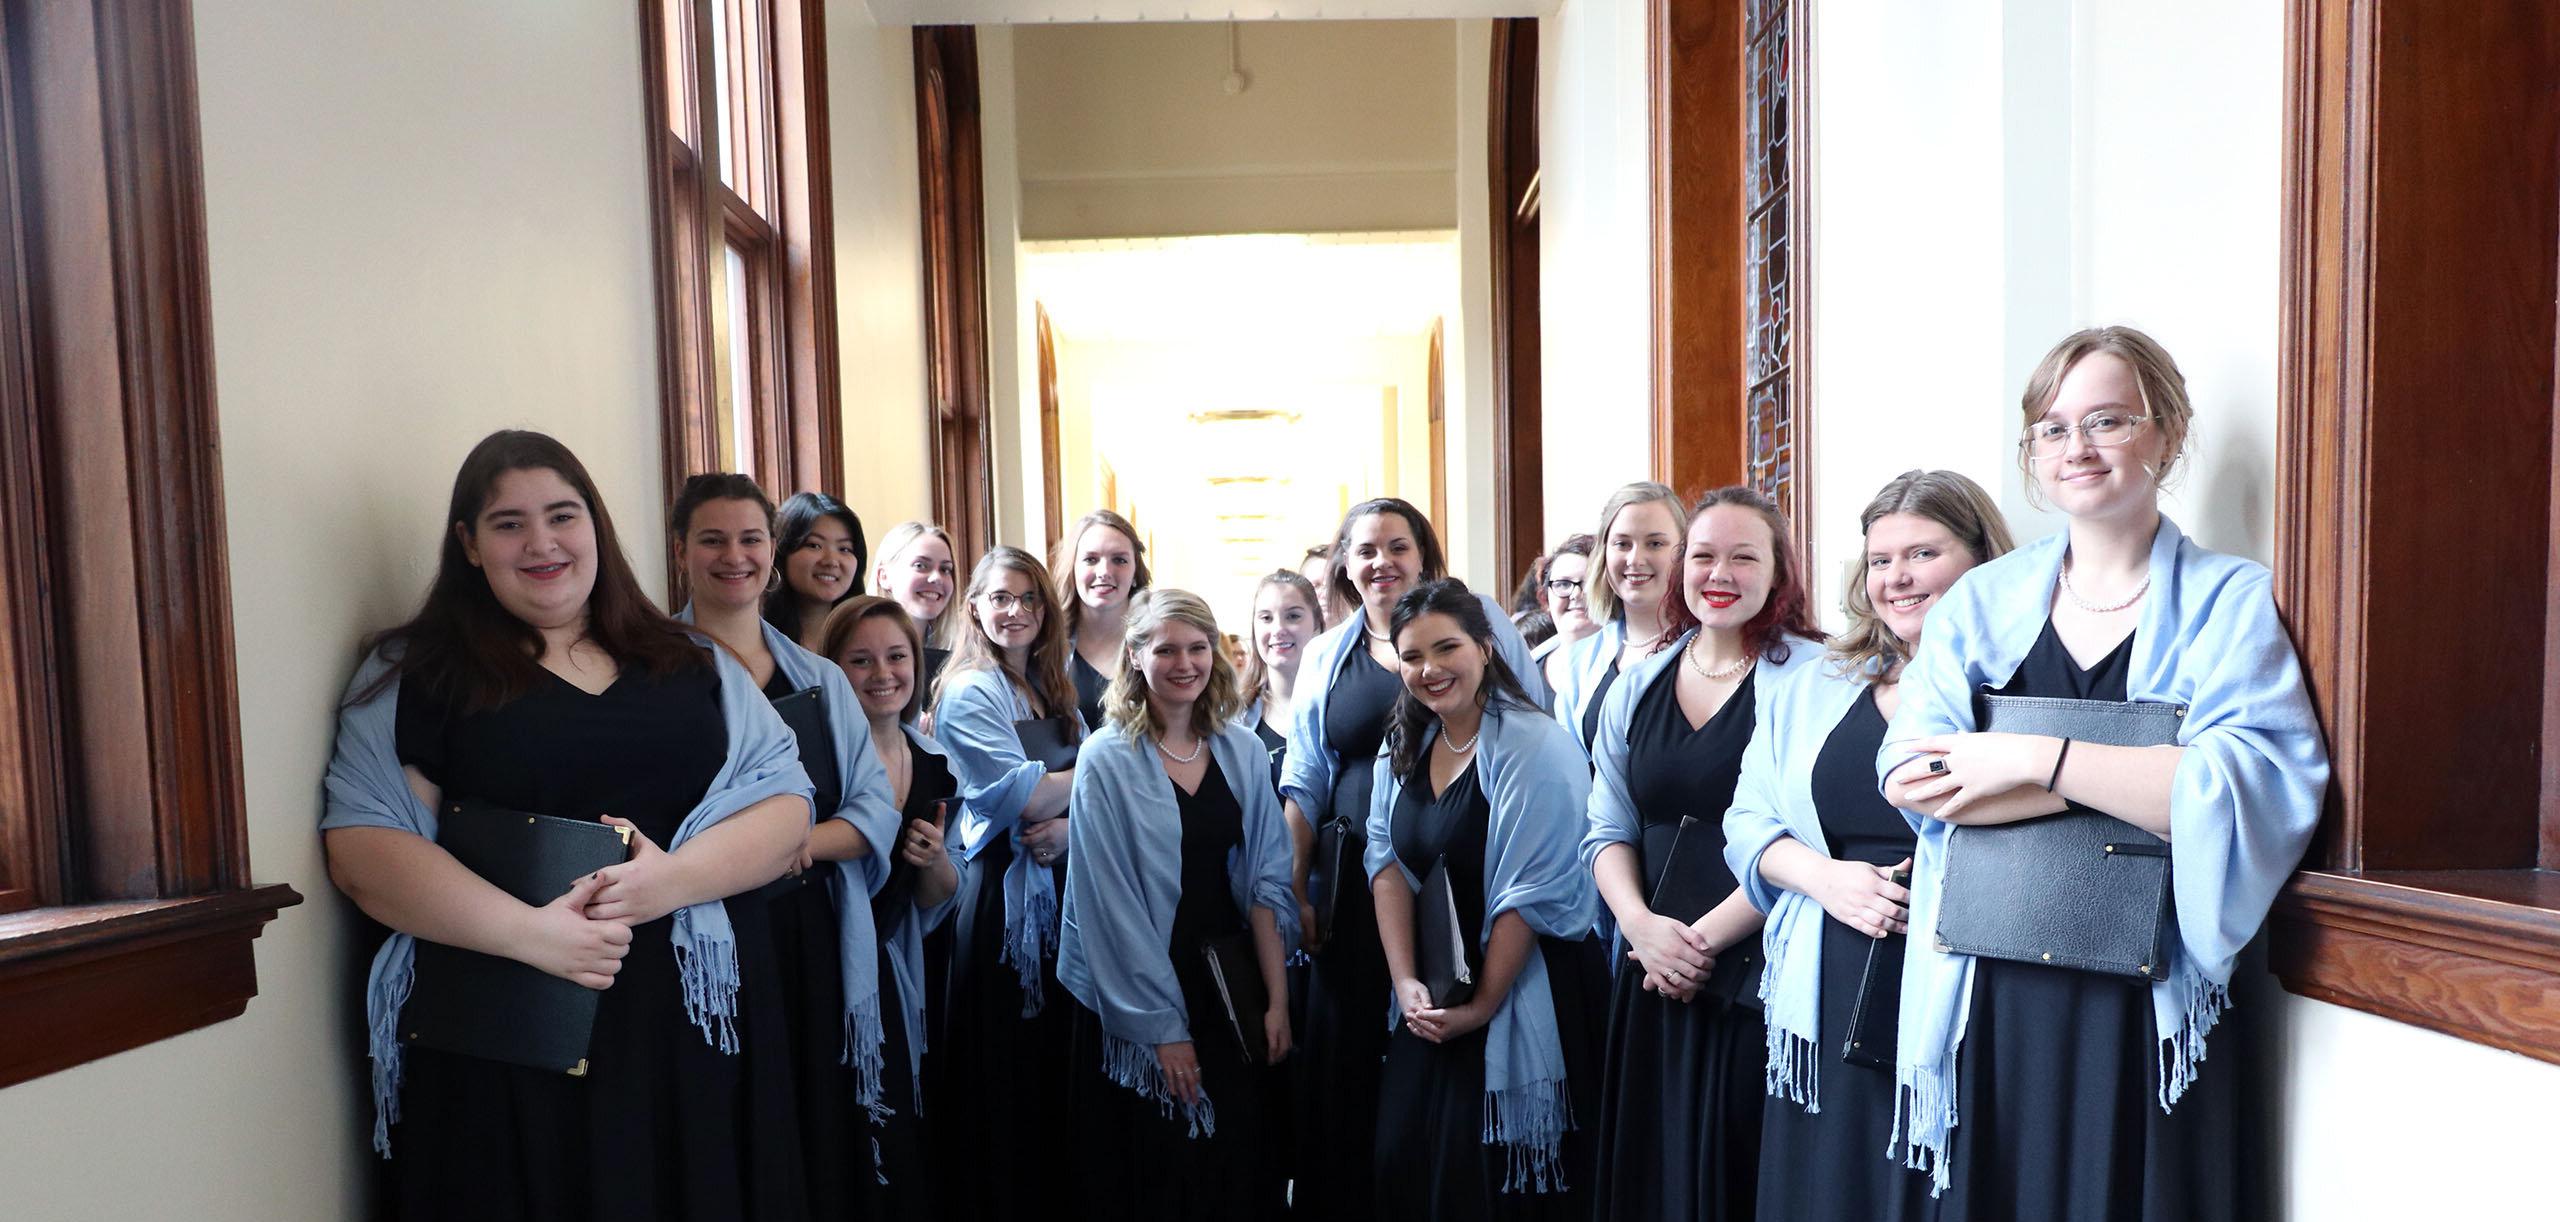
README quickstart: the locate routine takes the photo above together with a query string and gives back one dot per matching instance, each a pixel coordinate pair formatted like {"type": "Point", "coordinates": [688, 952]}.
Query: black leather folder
{"type": "Point", "coordinates": [1441, 955]}
{"type": "Point", "coordinates": [2079, 889]}
{"type": "Point", "coordinates": [895, 901]}
{"type": "Point", "coordinates": [1690, 887]}
{"type": "Point", "coordinates": [1048, 740]}
{"type": "Point", "coordinates": [805, 711]}
{"type": "Point", "coordinates": [1237, 972]}
{"type": "Point", "coordinates": [1337, 861]}
{"type": "Point", "coordinates": [496, 1008]}
{"type": "Point", "coordinates": [1875, 1018]}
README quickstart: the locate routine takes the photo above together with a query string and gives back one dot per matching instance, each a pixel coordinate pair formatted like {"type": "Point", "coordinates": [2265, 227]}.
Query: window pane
{"type": "Point", "coordinates": [722, 38]}
{"type": "Point", "coordinates": [675, 17]}
{"type": "Point", "coordinates": [738, 363]}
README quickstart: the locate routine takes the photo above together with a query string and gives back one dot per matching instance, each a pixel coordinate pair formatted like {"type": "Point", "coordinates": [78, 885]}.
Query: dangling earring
{"type": "Point", "coordinates": [772, 580]}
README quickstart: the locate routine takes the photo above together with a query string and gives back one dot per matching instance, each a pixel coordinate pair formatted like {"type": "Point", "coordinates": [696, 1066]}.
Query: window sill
{"type": "Point", "coordinates": [2471, 953]}
{"type": "Point", "coordinates": [88, 981]}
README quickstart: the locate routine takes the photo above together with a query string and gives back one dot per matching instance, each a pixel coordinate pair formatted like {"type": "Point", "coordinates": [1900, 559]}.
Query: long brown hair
{"type": "Point", "coordinates": [1944, 497]}
{"type": "Point", "coordinates": [1070, 607]}
{"type": "Point", "coordinates": [1256, 675]}
{"type": "Point", "coordinates": [1409, 722]}
{"type": "Point", "coordinates": [467, 649]}
{"type": "Point", "coordinates": [836, 635]}
{"type": "Point", "coordinates": [1788, 615]}
{"type": "Point", "coordinates": [1435, 563]}
{"type": "Point", "coordinates": [1044, 673]}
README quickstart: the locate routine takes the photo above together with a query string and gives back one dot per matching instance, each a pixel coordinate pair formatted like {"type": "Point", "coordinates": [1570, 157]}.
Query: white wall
{"type": "Point", "coordinates": [871, 107]}
{"type": "Point", "coordinates": [1595, 257]}
{"type": "Point", "coordinates": [424, 224]}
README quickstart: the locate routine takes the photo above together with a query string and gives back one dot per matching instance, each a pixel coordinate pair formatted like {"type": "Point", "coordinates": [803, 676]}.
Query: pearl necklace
{"type": "Point", "coordinates": [1727, 675]}
{"type": "Point", "coordinates": [1182, 759]}
{"type": "Point", "coordinates": [1454, 748]}
{"type": "Point", "coordinates": [2093, 609]}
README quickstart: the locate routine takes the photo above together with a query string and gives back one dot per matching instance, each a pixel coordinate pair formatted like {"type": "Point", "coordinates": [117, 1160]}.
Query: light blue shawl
{"type": "Point", "coordinates": [365, 787]}
{"type": "Point", "coordinates": [865, 805]}
{"type": "Point", "coordinates": [974, 717]}
{"type": "Point", "coordinates": [1584, 662]}
{"type": "Point", "coordinates": [2242, 805]}
{"type": "Point", "coordinates": [1537, 786]}
{"type": "Point", "coordinates": [1124, 880]}
{"type": "Point", "coordinates": [1307, 775]}
{"type": "Point", "coordinates": [1774, 800]}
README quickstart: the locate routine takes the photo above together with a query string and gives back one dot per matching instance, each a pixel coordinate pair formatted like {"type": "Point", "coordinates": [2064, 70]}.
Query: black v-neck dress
{"type": "Point", "coordinates": [1335, 1092]}
{"type": "Point", "coordinates": [1830, 1164]}
{"type": "Point", "coordinates": [658, 1128]}
{"type": "Point", "coordinates": [1135, 1162]}
{"type": "Point", "coordinates": [1090, 686]}
{"type": "Point", "coordinates": [900, 1137]}
{"type": "Point", "coordinates": [2058, 1079]}
{"type": "Point", "coordinates": [1432, 1162]}
{"type": "Point", "coordinates": [1680, 1112]}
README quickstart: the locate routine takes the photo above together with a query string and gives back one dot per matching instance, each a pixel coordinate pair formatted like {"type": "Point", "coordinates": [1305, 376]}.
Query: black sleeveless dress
{"type": "Point", "coordinates": [1280, 1146]}
{"type": "Point", "coordinates": [2058, 1080]}
{"type": "Point", "coordinates": [1136, 1163]}
{"type": "Point", "coordinates": [1829, 1164]}
{"type": "Point", "coordinates": [1090, 686]}
{"type": "Point", "coordinates": [1432, 1162]}
{"type": "Point", "coordinates": [1680, 1116]}
{"type": "Point", "coordinates": [901, 1137]}
{"type": "Point", "coordinates": [1345, 1034]}
{"type": "Point", "coordinates": [490, 1142]}
{"type": "Point", "coordinates": [1591, 708]}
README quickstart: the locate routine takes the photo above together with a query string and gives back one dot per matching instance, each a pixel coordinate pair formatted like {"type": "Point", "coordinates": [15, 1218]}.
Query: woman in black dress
{"type": "Point", "coordinates": [1179, 853]}
{"type": "Point", "coordinates": [1471, 839]}
{"type": "Point", "coordinates": [916, 569]}
{"type": "Point", "coordinates": [1100, 565]}
{"type": "Point", "coordinates": [2030, 1090]}
{"type": "Point", "coordinates": [1007, 715]}
{"type": "Point", "coordinates": [1631, 592]}
{"type": "Point", "coordinates": [877, 647]}
{"type": "Point", "coordinates": [537, 677]}
{"type": "Point", "coordinates": [1347, 684]}
{"type": "Point", "coordinates": [1286, 616]}
{"type": "Point", "coordinates": [822, 554]}
{"type": "Point", "coordinates": [1679, 1123]}
{"type": "Point", "coordinates": [1817, 849]}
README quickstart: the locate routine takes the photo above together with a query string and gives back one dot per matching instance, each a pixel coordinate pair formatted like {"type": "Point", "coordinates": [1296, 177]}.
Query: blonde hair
{"type": "Point", "coordinates": [1125, 705]}
{"type": "Point", "coordinates": [1044, 672]}
{"type": "Point", "coordinates": [901, 537]}
{"type": "Point", "coordinates": [1943, 497]}
{"type": "Point", "coordinates": [1598, 595]}
{"type": "Point", "coordinates": [2155, 377]}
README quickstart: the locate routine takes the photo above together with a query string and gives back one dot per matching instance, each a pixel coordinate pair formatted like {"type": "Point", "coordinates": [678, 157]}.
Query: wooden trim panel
{"type": "Point", "coordinates": [955, 275]}
{"type": "Point", "coordinates": [1699, 279]}
{"type": "Point", "coordinates": [2472, 955]}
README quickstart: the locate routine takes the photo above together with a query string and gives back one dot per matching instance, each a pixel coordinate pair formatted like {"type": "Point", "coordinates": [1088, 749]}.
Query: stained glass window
{"type": "Point", "coordinates": [1768, 199]}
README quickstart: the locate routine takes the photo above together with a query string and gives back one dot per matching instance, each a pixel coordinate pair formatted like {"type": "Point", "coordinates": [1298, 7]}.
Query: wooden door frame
{"type": "Point", "coordinates": [1519, 444]}
{"type": "Point", "coordinates": [953, 186]}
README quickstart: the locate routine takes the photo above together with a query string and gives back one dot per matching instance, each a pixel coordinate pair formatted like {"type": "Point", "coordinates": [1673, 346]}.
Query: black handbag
{"type": "Point", "coordinates": [2079, 889]}
{"type": "Point", "coordinates": [1689, 889]}
{"type": "Point", "coordinates": [1442, 957]}
{"type": "Point", "coordinates": [1875, 1018]}
{"type": "Point", "coordinates": [1235, 970]}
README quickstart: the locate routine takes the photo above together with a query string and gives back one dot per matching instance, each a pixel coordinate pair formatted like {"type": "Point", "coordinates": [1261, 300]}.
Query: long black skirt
{"type": "Point", "coordinates": [1680, 1109]}
{"type": "Point", "coordinates": [2057, 1089]}
{"type": "Point", "coordinates": [1432, 1162]}
{"type": "Point", "coordinates": [1001, 1129]}
{"type": "Point", "coordinates": [1137, 1163]}
{"type": "Point", "coordinates": [1334, 1091]}
{"type": "Point", "coordinates": [656, 1129]}
{"type": "Point", "coordinates": [1833, 1164]}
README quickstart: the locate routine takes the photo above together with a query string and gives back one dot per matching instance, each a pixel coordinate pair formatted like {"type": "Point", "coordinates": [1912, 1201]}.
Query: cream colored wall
{"type": "Point", "coordinates": [424, 224]}
{"type": "Point", "coordinates": [871, 106]}
{"type": "Point", "coordinates": [1344, 126]}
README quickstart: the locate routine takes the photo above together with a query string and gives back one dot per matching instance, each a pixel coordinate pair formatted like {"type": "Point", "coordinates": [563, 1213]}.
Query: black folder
{"type": "Point", "coordinates": [1337, 861]}
{"type": "Point", "coordinates": [2079, 889]}
{"type": "Point", "coordinates": [1441, 954]}
{"type": "Point", "coordinates": [496, 1008]}
{"type": "Point", "coordinates": [1049, 740]}
{"type": "Point", "coordinates": [1875, 1017]}
{"type": "Point", "coordinates": [805, 711]}
{"type": "Point", "coordinates": [1236, 971]}
{"type": "Point", "coordinates": [1690, 887]}
{"type": "Point", "coordinates": [895, 901]}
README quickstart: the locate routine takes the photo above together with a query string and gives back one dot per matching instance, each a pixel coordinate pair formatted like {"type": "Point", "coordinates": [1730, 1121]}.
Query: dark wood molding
{"type": "Point", "coordinates": [679, 244]}
{"type": "Point", "coordinates": [1519, 444]}
{"type": "Point", "coordinates": [2405, 122]}
{"type": "Point", "coordinates": [955, 274]}
{"type": "Point", "coordinates": [813, 453]}
{"type": "Point", "coordinates": [1436, 414]}
{"type": "Point", "coordinates": [1053, 499]}
{"type": "Point", "coordinates": [1696, 90]}
{"type": "Point", "coordinates": [81, 983]}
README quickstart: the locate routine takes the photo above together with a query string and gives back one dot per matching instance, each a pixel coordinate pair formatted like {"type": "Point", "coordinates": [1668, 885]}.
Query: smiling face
{"type": "Point", "coordinates": [1568, 602]}
{"type": "Point", "coordinates": [1442, 666]}
{"type": "Point", "coordinates": [881, 665]}
{"type": "Point", "coordinates": [2102, 482]}
{"type": "Point", "coordinates": [1011, 610]}
{"type": "Point", "coordinates": [1106, 562]}
{"type": "Point", "coordinates": [727, 554]}
{"type": "Point", "coordinates": [1176, 663]}
{"type": "Point", "coordinates": [1911, 561]}
{"type": "Point", "coordinates": [920, 578]}
{"type": "Point", "coordinates": [536, 542]}
{"type": "Point", "coordinates": [821, 569]}
{"type": "Point", "coordinates": [1282, 623]}
{"type": "Point", "coordinates": [1383, 561]}
{"type": "Point", "coordinates": [1730, 563]}
{"type": "Point", "coordinates": [1637, 556]}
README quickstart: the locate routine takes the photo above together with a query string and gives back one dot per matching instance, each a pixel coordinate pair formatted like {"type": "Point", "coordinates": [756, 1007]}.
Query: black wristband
{"type": "Point", "coordinates": [2058, 757]}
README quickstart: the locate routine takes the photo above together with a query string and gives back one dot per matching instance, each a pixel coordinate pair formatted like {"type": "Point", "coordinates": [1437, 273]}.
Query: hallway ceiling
{"type": "Point", "coordinates": [1029, 12]}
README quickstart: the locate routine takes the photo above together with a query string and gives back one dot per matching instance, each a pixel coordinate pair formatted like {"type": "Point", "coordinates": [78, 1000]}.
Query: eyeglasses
{"type": "Point", "coordinates": [2049, 438]}
{"type": "Point", "coordinates": [1563, 585]}
{"type": "Point", "coordinates": [1005, 600]}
